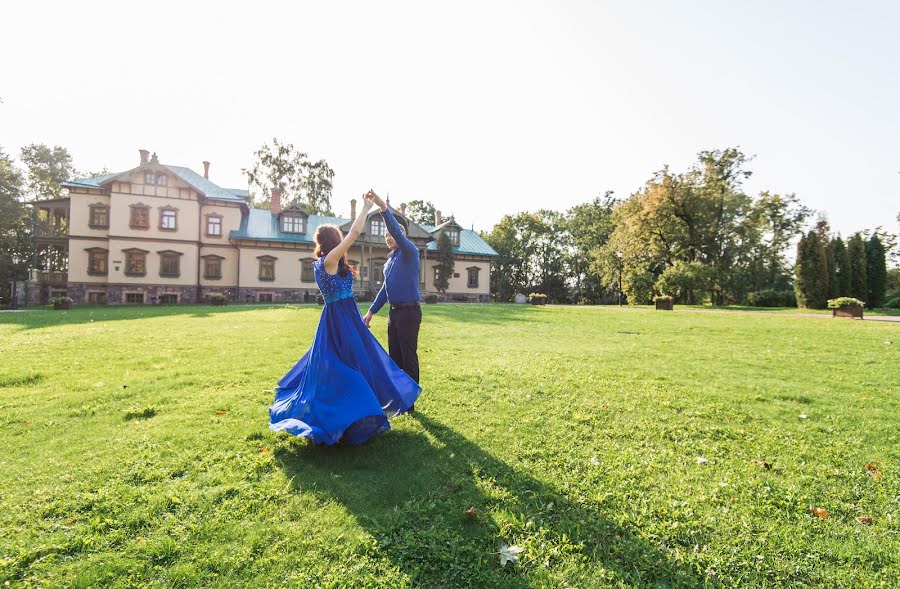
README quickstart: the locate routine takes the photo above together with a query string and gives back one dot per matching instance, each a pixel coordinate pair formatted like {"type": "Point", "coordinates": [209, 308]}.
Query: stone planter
{"type": "Point", "coordinates": [431, 299]}
{"type": "Point", "coordinates": [62, 306]}
{"type": "Point", "coordinates": [665, 305]}
{"type": "Point", "coordinates": [850, 311]}
{"type": "Point", "coordinates": [218, 302]}
{"type": "Point", "coordinates": [539, 301]}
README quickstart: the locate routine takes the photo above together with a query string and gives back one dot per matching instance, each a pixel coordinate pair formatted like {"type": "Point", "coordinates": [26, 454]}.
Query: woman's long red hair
{"type": "Point", "coordinates": [327, 238]}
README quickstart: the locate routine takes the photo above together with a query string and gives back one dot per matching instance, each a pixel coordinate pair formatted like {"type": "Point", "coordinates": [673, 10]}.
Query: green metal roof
{"type": "Point", "coordinates": [262, 225]}
{"type": "Point", "coordinates": [469, 242]}
{"type": "Point", "coordinates": [92, 182]}
{"type": "Point", "coordinates": [209, 189]}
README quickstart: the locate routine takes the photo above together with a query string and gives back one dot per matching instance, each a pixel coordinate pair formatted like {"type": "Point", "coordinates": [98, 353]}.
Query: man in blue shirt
{"type": "Point", "coordinates": [401, 291]}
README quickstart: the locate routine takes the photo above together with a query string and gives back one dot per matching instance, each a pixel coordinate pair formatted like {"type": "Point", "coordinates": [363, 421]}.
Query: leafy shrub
{"type": "Point", "coordinates": [770, 297]}
{"type": "Point", "coordinates": [841, 302]}
{"type": "Point", "coordinates": [687, 281]}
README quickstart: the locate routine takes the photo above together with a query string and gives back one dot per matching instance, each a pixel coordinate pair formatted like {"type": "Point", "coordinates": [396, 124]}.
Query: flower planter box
{"type": "Point", "coordinates": [63, 306]}
{"type": "Point", "coordinates": [541, 302]}
{"type": "Point", "coordinates": [665, 305]}
{"type": "Point", "coordinates": [852, 312]}
{"type": "Point", "coordinates": [431, 299]}
{"type": "Point", "coordinates": [218, 302]}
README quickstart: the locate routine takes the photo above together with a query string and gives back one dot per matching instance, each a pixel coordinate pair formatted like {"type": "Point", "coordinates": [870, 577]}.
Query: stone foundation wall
{"type": "Point", "coordinates": [279, 295]}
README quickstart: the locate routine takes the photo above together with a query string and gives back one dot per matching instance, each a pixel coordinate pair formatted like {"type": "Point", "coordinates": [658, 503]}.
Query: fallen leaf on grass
{"type": "Point", "coordinates": [763, 464]}
{"type": "Point", "coordinates": [606, 405]}
{"type": "Point", "coordinates": [594, 461]}
{"type": "Point", "coordinates": [509, 554]}
{"type": "Point", "coordinates": [872, 470]}
{"type": "Point", "coordinates": [221, 411]}
{"type": "Point", "coordinates": [803, 416]}
{"type": "Point", "coordinates": [819, 512]}
{"type": "Point", "coordinates": [864, 519]}
{"type": "Point", "coordinates": [263, 450]}
{"type": "Point", "coordinates": [471, 512]}
{"type": "Point", "coordinates": [26, 421]}
{"type": "Point", "coordinates": [702, 460]}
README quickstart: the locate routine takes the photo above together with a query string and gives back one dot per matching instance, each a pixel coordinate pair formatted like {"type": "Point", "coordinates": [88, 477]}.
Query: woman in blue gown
{"type": "Point", "coordinates": [346, 386]}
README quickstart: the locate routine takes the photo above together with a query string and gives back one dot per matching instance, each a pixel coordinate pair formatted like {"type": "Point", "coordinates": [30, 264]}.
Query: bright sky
{"type": "Point", "coordinates": [484, 108]}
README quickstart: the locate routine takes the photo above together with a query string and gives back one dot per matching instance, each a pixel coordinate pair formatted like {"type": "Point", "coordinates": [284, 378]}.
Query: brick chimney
{"type": "Point", "coordinates": [154, 159]}
{"type": "Point", "coordinates": [352, 210]}
{"type": "Point", "coordinates": [437, 218]}
{"type": "Point", "coordinates": [206, 170]}
{"type": "Point", "coordinates": [403, 208]}
{"type": "Point", "coordinates": [276, 201]}
{"type": "Point", "coordinates": [145, 156]}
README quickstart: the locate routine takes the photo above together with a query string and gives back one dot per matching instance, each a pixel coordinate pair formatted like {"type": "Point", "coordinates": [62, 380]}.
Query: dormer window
{"type": "Point", "coordinates": [149, 178]}
{"type": "Point", "coordinates": [453, 234]}
{"type": "Point", "coordinates": [293, 224]}
{"type": "Point", "coordinates": [376, 226]}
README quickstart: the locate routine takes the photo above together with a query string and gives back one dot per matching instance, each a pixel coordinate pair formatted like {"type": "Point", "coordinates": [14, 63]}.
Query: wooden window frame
{"type": "Point", "coordinates": [162, 215]}
{"type": "Point", "coordinates": [260, 295]}
{"type": "Point", "coordinates": [476, 272]}
{"type": "Point", "coordinates": [96, 294]}
{"type": "Point", "coordinates": [95, 251]}
{"type": "Point", "coordinates": [150, 178]}
{"type": "Point", "coordinates": [453, 234]}
{"type": "Point", "coordinates": [266, 259]}
{"type": "Point", "coordinates": [296, 221]}
{"type": "Point", "coordinates": [168, 294]}
{"type": "Point", "coordinates": [307, 271]}
{"type": "Point", "coordinates": [131, 219]}
{"type": "Point", "coordinates": [93, 208]}
{"type": "Point", "coordinates": [382, 226]}
{"type": "Point", "coordinates": [125, 296]}
{"type": "Point", "coordinates": [169, 254]}
{"type": "Point", "coordinates": [134, 252]}
{"type": "Point", "coordinates": [221, 225]}
{"type": "Point", "coordinates": [206, 261]}
{"type": "Point", "coordinates": [164, 178]}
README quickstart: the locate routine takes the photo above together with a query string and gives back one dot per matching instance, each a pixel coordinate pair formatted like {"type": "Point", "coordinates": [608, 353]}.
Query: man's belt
{"type": "Point", "coordinates": [404, 305]}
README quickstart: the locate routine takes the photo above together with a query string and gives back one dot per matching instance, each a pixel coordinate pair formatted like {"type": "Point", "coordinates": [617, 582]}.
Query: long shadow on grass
{"type": "Point", "coordinates": [411, 494]}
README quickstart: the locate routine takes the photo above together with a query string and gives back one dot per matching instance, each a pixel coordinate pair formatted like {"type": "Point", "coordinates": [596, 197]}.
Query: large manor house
{"type": "Point", "coordinates": [161, 234]}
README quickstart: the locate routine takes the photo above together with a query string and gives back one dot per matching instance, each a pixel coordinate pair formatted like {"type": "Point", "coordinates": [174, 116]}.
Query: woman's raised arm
{"type": "Point", "coordinates": [334, 256]}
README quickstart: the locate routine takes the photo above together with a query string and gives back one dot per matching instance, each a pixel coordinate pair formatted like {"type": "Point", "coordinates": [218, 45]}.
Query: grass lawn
{"type": "Point", "coordinates": [618, 448]}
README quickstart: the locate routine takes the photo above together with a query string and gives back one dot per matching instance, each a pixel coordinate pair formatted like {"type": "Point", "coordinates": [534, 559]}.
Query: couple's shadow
{"type": "Point", "coordinates": [410, 491]}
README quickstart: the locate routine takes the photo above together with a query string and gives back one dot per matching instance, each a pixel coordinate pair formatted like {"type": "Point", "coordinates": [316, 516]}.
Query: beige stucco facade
{"type": "Point", "coordinates": [183, 257]}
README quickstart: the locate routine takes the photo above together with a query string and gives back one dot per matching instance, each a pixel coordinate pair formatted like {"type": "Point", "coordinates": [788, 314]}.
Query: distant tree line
{"type": "Point", "coordinates": [696, 236]}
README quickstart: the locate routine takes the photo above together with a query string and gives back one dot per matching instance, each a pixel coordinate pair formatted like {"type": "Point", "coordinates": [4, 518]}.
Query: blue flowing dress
{"type": "Point", "coordinates": [346, 386]}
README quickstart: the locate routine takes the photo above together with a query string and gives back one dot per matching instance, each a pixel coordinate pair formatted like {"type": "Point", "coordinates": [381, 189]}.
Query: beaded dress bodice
{"type": "Point", "coordinates": [334, 287]}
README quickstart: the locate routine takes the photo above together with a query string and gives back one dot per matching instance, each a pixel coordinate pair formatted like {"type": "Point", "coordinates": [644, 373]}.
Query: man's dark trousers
{"type": "Point", "coordinates": [403, 337]}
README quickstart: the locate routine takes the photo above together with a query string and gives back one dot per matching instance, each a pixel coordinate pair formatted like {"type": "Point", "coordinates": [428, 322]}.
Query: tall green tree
{"type": "Point", "coordinates": [588, 227]}
{"type": "Point", "coordinates": [530, 248]}
{"type": "Point", "coordinates": [46, 169]}
{"type": "Point", "coordinates": [305, 182]}
{"type": "Point", "coordinates": [15, 226]}
{"type": "Point", "coordinates": [701, 215]}
{"type": "Point", "coordinates": [811, 283]}
{"type": "Point", "coordinates": [823, 230]}
{"type": "Point", "coordinates": [859, 281]}
{"type": "Point", "coordinates": [780, 219]}
{"type": "Point", "coordinates": [843, 272]}
{"type": "Point", "coordinates": [876, 272]}
{"type": "Point", "coordinates": [420, 212]}
{"type": "Point", "coordinates": [445, 262]}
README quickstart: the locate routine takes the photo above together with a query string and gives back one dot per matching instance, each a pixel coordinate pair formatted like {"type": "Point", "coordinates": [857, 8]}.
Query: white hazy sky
{"type": "Point", "coordinates": [484, 108]}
